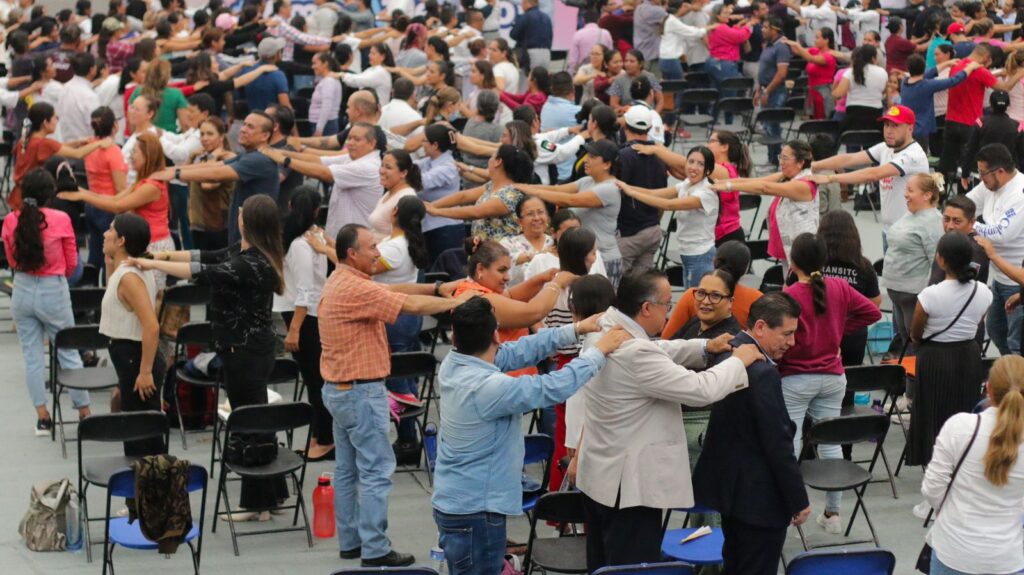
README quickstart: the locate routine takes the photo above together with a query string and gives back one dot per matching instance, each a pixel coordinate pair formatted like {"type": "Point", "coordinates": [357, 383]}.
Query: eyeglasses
{"type": "Point", "coordinates": [534, 214]}
{"type": "Point", "coordinates": [783, 158]}
{"type": "Point", "coordinates": [666, 304]}
{"type": "Point", "coordinates": [984, 173]}
{"type": "Point", "coordinates": [714, 297]}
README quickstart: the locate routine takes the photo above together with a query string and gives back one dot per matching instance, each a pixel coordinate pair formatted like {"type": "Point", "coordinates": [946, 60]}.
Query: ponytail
{"type": "Point", "coordinates": [38, 114]}
{"type": "Point", "coordinates": [739, 155]}
{"type": "Point", "coordinates": [862, 56]}
{"type": "Point", "coordinates": [818, 291]}
{"type": "Point", "coordinates": [411, 212]}
{"type": "Point", "coordinates": [38, 186]}
{"type": "Point", "coordinates": [1004, 443]}
{"type": "Point", "coordinates": [808, 255]}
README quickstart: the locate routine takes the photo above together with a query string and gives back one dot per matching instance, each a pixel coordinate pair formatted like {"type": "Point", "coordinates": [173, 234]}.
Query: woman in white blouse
{"type": "Point", "coordinates": [696, 209]}
{"type": "Point", "coordinates": [863, 86]}
{"type": "Point", "coordinates": [305, 272]}
{"type": "Point", "coordinates": [534, 221]}
{"type": "Point", "coordinates": [376, 77]}
{"type": "Point", "coordinates": [506, 72]}
{"type": "Point", "coordinates": [978, 527]}
{"type": "Point", "coordinates": [400, 177]}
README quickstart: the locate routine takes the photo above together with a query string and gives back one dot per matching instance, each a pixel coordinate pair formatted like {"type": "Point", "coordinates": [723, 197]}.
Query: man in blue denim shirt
{"type": "Point", "coordinates": [480, 456]}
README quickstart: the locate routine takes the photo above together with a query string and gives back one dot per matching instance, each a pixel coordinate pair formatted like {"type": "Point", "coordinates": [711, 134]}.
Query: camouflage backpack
{"type": "Point", "coordinates": [45, 522]}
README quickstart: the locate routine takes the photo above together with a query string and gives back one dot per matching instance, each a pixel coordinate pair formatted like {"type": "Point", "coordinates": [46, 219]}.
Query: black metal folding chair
{"type": "Point", "coordinates": [77, 339]}
{"type": "Point", "coordinates": [565, 554]}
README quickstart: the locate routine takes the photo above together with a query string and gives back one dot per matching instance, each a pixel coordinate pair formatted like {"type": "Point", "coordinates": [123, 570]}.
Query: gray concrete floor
{"type": "Point", "coordinates": [28, 459]}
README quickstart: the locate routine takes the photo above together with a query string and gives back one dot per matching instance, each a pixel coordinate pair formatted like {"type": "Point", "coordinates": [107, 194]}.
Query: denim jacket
{"type": "Point", "coordinates": [480, 453]}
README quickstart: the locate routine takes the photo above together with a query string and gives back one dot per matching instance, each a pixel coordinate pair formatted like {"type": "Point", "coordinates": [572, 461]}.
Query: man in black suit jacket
{"type": "Point", "coordinates": [747, 470]}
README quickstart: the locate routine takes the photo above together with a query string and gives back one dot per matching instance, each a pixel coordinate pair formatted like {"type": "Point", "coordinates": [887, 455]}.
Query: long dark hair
{"type": "Point", "coordinates": [37, 189]}
{"type": "Point", "coordinates": [739, 155]}
{"type": "Point", "coordinates": [389, 59]}
{"type": "Point", "coordinates": [589, 295]}
{"type": "Point", "coordinates": [38, 114]}
{"type": "Point", "coordinates": [957, 252]}
{"type": "Point", "coordinates": [130, 68]}
{"type": "Point", "coordinates": [262, 230]}
{"type": "Point", "coordinates": [409, 218]}
{"type": "Point", "coordinates": [809, 254]}
{"type": "Point", "coordinates": [304, 203]}
{"type": "Point", "coordinates": [573, 247]}
{"type": "Point", "coordinates": [405, 164]}
{"type": "Point", "coordinates": [842, 240]}
{"type": "Point", "coordinates": [517, 163]}
{"type": "Point", "coordinates": [862, 56]}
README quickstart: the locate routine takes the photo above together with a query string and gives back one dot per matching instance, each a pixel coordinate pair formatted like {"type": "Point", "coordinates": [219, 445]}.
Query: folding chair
{"type": "Point", "coordinates": [564, 554]}
{"type": "Point", "coordinates": [739, 106]}
{"type": "Point", "coordinates": [750, 202]}
{"type": "Point", "coordinates": [842, 561]}
{"type": "Point", "coordinates": [758, 252]}
{"type": "Point", "coordinates": [666, 238]}
{"type": "Point", "coordinates": [740, 85]}
{"type": "Point", "coordinates": [120, 532]}
{"type": "Point", "coordinates": [674, 274]}
{"type": "Point", "coordinates": [701, 98]}
{"type": "Point", "coordinates": [201, 335]}
{"type": "Point", "coordinates": [184, 295]}
{"type": "Point", "coordinates": [416, 365]}
{"type": "Point", "coordinates": [782, 116]}
{"type": "Point", "coordinates": [809, 128]}
{"type": "Point", "coordinates": [539, 448]}
{"type": "Point", "coordinates": [77, 338]}
{"type": "Point", "coordinates": [839, 474]}
{"type": "Point", "coordinates": [86, 303]}
{"type": "Point", "coordinates": [414, 570]}
{"type": "Point", "coordinates": [697, 79]}
{"type": "Point", "coordinates": [706, 550]}
{"type": "Point", "coordinates": [111, 428]}
{"type": "Point", "coordinates": [267, 420]}
{"type": "Point", "coordinates": [889, 379]}
{"type": "Point", "coordinates": [772, 279]}
{"type": "Point", "coordinates": [672, 568]}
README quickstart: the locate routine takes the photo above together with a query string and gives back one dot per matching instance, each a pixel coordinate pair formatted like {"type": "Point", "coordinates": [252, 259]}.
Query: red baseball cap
{"type": "Point", "coordinates": [955, 28]}
{"type": "Point", "coordinates": [899, 115]}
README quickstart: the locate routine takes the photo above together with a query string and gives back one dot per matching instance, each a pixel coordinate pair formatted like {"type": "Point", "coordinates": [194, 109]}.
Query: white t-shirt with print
{"type": "Point", "coordinates": [909, 161]}
{"type": "Point", "coordinates": [395, 253]}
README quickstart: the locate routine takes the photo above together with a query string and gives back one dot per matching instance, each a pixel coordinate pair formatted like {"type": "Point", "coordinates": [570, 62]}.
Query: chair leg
{"type": "Point", "coordinates": [664, 524]}
{"type": "Point", "coordinates": [853, 516]}
{"type": "Point", "coordinates": [60, 424]}
{"type": "Point", "coordinates": [888, 470]}
{"type": "Point", "coordinates": [803, 538]}
{"type": "Point", "coordinates": [871, 526]}
{"type": "Point", "coordinates": [195, 560]}
{"type": "Point", "coordinates": [216, 503]}
{"type": "Point", "coordinates": [181, 420]}
{"type": "Point", "coordinates": [227, 509]}
{"type": "Point", "coordinates": [301, 503]}
{"type": "Point", "coordinates": [83, 504]}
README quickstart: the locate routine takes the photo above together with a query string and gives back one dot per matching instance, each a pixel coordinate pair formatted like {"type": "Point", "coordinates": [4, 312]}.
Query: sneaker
{"type": "Point", "coordinates": [243, 516]}
{"type": "Point", "coordinates": [406, 399]}
{"type": "Point", "coordinates": [832, 525]}
{"type": "Point", "coordinates": [922, 509]}
{"type": "Point", "coordinates": [44, 427]}
{"type": "Point", "coordinates": [351, 553]}
{"type": "Point", "coordinates": [903, 404]}
{"type": "Point", "coordinates": [392, 559]}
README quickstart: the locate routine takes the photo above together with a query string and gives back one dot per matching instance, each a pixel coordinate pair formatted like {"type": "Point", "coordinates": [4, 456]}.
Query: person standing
{"type": "Point", "coordinates": [632, 458]}
{"type": "Point", "coordinates": [639, 224]}
{"type": "Point", "coordinates": [746, 453]}
{"type": "Point", "coordinates": [958, 215]}
{"type": "Point", "coordinates": [107, 174]}
{"type": "Point", "coordinates": [78, 100]}
{"type": "Point", "coordinates": [1000, 202]}
{"type": "Point", "coordinates": [584, 39]}
{"type": "Point", "coordinates": [772, 69]}
{"type": "Point", "coordinates": [355, 308]}
{"type": "Point", "coordinates": [440, 177]}
{"type": "Point", "coordinates": [479, 462]}
{"type": "Point", "coordinates": [648, 20]}
{"type": "Point", "coordinates": [532, 32]}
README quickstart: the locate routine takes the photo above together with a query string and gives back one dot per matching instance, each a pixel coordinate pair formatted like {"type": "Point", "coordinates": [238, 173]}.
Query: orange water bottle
{"type": "Point", "coordinates": [323, 508]}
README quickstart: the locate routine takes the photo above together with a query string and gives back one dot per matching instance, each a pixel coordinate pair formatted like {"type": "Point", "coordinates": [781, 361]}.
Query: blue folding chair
{"type": "Point", "coordinates": [843, 562]}
{"type": "Point", "coordinates": [539, 449]}
{"type": "Point", "coordinates": [414, 570]}
{"type": "Point", "coordinates": [706, 550]}
{"type": "Point", "coordinates": [673, 568]}
{"type": "Point", "coordinates": [879, 338]}
{"type": "Point", "coordinates": [119, 531]}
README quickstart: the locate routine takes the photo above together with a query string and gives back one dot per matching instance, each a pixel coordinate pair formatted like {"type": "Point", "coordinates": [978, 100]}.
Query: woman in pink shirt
{"type": "Point", "coordinates": [40, 246]}
{"type": "Point", "coordinates": [108, 175]}
{"type": "Point", "coordinates": [813, 380]}
{"type": "Point", "coordinates": [724, 43]}
{"type": "Point", "coordinates": [821, 68]}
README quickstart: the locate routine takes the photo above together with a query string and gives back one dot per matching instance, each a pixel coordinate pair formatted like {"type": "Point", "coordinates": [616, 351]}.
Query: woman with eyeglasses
{"type": "Point", "coordinates": [696, 209]}
{"type": "Point", "coordinates": [795, 208]}
{"type": "Point", "coordinates": [561, 222]}
{"type": "Point", "coordinates": [713, 298]}
{"type": "Point", "coordinates": [534, 220]}
{"type": "Point", "coordinates": [732, 257]}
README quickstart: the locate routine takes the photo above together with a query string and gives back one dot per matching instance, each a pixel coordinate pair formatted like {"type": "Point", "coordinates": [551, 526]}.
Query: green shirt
{"type": "Point", "coordinates": [171, 100]}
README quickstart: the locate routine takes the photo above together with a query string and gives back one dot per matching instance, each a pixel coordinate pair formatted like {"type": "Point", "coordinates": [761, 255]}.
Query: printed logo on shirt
{"type": "Point", "coordinates": [547, 146]}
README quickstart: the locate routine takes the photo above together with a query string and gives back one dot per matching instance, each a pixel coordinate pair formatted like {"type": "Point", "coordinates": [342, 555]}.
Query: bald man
{"type": "Point", "coordinates": [363, 106]}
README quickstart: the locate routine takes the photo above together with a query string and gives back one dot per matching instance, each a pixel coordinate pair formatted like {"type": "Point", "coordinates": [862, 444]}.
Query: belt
{"type": "Point", "coordinates": [346, 385]}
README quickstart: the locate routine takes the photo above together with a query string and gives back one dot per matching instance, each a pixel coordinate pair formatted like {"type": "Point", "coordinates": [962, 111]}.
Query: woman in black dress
{"type": "Point", "coordinates": [243, 279]}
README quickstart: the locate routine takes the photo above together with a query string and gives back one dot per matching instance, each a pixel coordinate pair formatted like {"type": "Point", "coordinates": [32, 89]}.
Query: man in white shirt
{"type": "Point", "coordinates": [322, 21]}
{"type": "Point", "coordinates": [696, 49]}
{"type": "Point", "coordinates": [400, 111]}
{"type": "Point", "coordinates": [78, 100]}
{"type": "Point", "coordinates": [1000, 201]}
{"type": "Point", "coordinates": [893, 163]}
{"type": "Point", "coordinates": [820, 15]}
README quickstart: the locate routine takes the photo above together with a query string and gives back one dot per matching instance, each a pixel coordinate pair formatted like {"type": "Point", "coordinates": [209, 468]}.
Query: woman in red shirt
{"type": "Point", "coordinates": [613, 68]}
{"type": "Point", "coordinates": [536, 91]}
{"type": "Point", "coordinates": [898, 48]}
{"type": "Point", "coordinates": [147, 197]}
{"type": "Point", "coordinates": [821, 68]}
{"type": "Point", "coordinates": [36, 147]}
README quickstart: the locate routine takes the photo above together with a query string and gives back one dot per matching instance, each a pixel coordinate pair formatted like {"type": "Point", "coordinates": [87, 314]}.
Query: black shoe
{"type": "Point", "coordinates": [351, 553]}
{"type": "Point", "coordinates": [392, 559]}
{"type": "Point", "coordinates": [406, 453]}
{"type": "Point", "coordinates": [44, 427]}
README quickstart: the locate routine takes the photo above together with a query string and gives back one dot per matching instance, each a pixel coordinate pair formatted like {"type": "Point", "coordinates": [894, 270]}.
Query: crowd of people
{"type": "Point", "coordinates": [317, 166]}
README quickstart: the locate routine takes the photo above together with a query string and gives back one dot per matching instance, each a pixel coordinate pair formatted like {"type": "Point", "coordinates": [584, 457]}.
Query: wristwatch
{"type": "Point", "coordinates": [177, 173]}
{"type": "Point", "coordinates": [287, 162]}
{"type": "Point", "coordinates": [437, 288]}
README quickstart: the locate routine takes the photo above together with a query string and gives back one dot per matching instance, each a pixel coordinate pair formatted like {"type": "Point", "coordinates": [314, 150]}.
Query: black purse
{"type": "Point", "coordinates": [249, 451]}
{"type": "Point", "coordinates": [924, 559]}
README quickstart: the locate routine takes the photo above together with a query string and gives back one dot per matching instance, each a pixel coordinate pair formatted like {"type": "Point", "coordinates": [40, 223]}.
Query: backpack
{"type": "Point", "coordinates": [44, 525]}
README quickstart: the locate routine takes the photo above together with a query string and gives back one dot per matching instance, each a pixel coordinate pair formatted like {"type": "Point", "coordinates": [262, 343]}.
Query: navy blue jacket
{"type": "Point", "coordinates": [532, 29]}
{"type": "Point", "coordinates": [747, 470]}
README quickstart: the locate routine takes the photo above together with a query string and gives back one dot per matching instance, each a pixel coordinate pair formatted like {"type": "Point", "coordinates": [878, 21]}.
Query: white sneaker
{"type": "Point", "coordinates": [922, 509]}
{"type": "Point", "coordinates": [250, 516]}
{"type": "Point", "coordinates": [903, 403]}
{"type": "Point", "coordinates": [832, 525]}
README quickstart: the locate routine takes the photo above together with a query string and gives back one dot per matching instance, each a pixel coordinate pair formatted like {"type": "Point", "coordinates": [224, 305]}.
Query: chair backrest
{"type": "Point", "coordinates": [674, 86]}
{"type": "Point", "coordinates": [848, 429]}
{"type": "Point", "coordinates": [560, 507]}
{"type": "Point", "coordinates": [125, 426]}
{"type": "Point", "coordinates": [81, 337]}
{"type": "Point", "coordinates": [675, 276]}
{"type": "Point", "coordinates": [796, 103]}
{"type": "Point", "coordinates": [735, 105]}
{"type": "Point", "coordinates": [431, 277]}
{"type": "Point", "coordinates": [885, 377]}
{"type": "Point", "coordinates": [269, 418]}
{"type": "Point", "coordinates": [699, 96]}
{"type": "Point", "coordinates": [843, 562]}
{"type": "Point", "coordinates": [86, 298]}
{"type": "Point", "coordinates": [862, 138]}
{"type": "Point", "coordinates": [539, 447]}
{"type": "Point", "coordinates": [122, 483]}
{"type": "Point", "coordinates": [198, 333]}
{"type": "Point", "coordinates": [414, 570]}
{"type": "Point", "coordinates": [758, 249]}
{"type": "Point", "coordinates": [672, 568]}
{"type": "Point", "coordinates": [776, 115]}
{"type": "Point", "coordinates": [809, 127]}
{"type": "Point", "coordinates": [187, 295]}
{"type": "Point", "coordinates": [412, 364]}
{"type": "Point", "coordinates": [286, 370]}
{"type": "Point", "coordinates": [749, 202]}
{"type": "Point", "coordinates": [772, 279]}
{"type": "Point", "coordinates": [696, 79]}
{"type": "Point", "coordinates": [878, 266]}
{"type": "Point", "coordinates": [736, 84]}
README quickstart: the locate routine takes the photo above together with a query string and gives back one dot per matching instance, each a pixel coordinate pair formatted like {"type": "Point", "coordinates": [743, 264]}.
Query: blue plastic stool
{"type": "Point", "coordinates": [706, 550]}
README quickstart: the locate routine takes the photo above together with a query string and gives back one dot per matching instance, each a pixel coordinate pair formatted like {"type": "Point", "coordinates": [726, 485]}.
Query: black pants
{"type": "Point", "coordinates": [308, 358]}
{"type": "Point", "coordinates": [205, 240]}
{"type": "Point", "coordinates": [749, 549]}
{"type": "Point", "coordinates": [245, 374]}
{"type": "Point", "coordinates": [737, 235]}
{"type": "Point", "coordinates": [621, 536]}
{"type": "Point", "coordinates": [126, 355]}
{"type": "Point", "coordinates": [954, 142]}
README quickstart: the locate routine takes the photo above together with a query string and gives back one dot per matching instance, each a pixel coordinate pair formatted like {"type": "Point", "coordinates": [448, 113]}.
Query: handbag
{"type": "Point", "coordinates": [924, 559]}
{"type": "Point", "coordinates": [249, 451]}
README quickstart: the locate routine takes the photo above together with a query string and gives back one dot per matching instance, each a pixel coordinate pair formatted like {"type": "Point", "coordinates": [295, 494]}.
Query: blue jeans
{"type": "Point", "coordinates": [330, 127]}
{"type": "Point", "coordinates": [672, 69]}
{"type": "Point", "coordinates": [404, 335]}
{"type": "Point", "coordinates": [364, 463]}
{"type": "Point", "coordinates": [694, 267]}
{"type": "Point", "coordinates": [1004, 328]}
{"type": "Point", "coordinates": [776, 99]}
{"type": "Point", "coordinates": [939, 568]}
{"type": "Point", "coordinates": [473, 544]}
{"type": "Point", "coordinates": [41, 306]}
{"type": "Point", "coordinates": [720, 70]}
{"type": "Point", "coordinates": [179, 213]}
{"type": "Point", "coordinates": [97, 222]}
{"type": "Point", "coordinates": [819, 395]}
